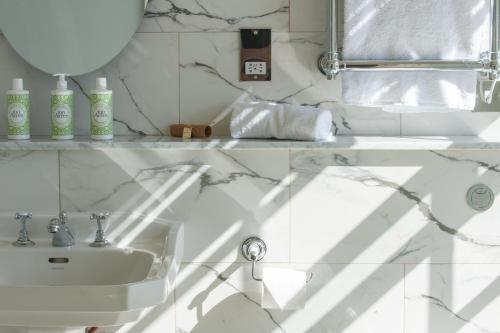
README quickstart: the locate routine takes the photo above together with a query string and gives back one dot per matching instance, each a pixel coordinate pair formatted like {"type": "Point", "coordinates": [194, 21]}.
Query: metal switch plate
{"type": "Point", "coordinates": [480, 197]}
{"type": "Point", "coordinates": [255, 55]}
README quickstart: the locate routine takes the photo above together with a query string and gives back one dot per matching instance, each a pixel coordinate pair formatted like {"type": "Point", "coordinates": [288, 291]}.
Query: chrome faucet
{"type": "Point", "coordinates": [24, 239]}
{"type": "Point", "coordinates": [62, 236]}
{"type": "Point", "coordinates": [100, 239]}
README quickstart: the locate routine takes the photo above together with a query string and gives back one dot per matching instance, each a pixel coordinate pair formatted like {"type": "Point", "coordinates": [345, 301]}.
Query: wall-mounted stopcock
{"type": "Point", "coordinates": [254, 249]}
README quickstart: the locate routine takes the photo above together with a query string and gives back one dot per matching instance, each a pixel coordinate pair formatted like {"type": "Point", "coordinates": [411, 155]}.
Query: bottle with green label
{"type": "Point", "coordinates": [62, 106]}
{"type": "Point", "coordinates": [101, 111]}
{"type": "Point", "coordinates": [18, 111]}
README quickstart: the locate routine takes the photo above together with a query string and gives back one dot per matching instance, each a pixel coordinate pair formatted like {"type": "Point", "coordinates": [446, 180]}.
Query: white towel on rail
{"type": "Point", "coordinates": [414, 30]}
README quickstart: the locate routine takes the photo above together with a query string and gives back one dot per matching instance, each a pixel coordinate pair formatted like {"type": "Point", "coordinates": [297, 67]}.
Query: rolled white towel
{"type": "Point", "coordinates": [265, 120]}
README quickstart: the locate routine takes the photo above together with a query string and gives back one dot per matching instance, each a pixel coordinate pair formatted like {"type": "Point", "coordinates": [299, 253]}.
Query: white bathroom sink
{"type": "Point", "coordinates": [44, 286]}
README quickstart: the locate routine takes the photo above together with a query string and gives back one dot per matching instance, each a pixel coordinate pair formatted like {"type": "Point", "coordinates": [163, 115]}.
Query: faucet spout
{"type": "Point", "coordinates": [61, 234]}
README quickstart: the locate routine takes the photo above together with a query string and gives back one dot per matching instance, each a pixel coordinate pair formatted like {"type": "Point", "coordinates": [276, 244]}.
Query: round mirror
{"type": "Point", "coordinates": [69, 36]}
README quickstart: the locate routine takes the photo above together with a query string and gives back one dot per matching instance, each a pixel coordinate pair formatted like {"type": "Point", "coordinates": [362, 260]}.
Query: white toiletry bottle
{"type": "Point", "coordinates": [18, 111]}
{"type": "Point", "coordinates": [62, 110]}
{"type": "Point", "coordinates": [101, 111]}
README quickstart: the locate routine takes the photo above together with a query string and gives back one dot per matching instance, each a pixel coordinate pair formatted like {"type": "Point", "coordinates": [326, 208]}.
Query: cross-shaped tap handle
{"type": "Point", "coordinates": [23, 216]}
{"type": "Point", "coordinates": [24, 239]}
{"type": "Point", "coordinates": [99, 216]}
{"type": "Point", "coordinates": [100, 239]}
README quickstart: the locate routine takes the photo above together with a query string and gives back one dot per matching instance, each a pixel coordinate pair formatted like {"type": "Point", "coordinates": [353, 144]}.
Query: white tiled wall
{"type": "Point", "coordinates": [182, 65]}
{"type": "Point", "coordinates": [209, 68]}
{"type": "Point", "coordinates": [386, 237]}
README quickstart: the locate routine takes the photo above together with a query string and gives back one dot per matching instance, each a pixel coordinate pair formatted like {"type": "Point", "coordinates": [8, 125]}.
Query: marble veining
{"type": "Point", "coordinates": [490, 167]}
{"type": "Point", "coordinates": [376, 215]}
{"type": "Point", "coordinates": [237, 193]}
{"type": "Point", "coordinates": [370, 179]}
{"type": "Point", "coordinates": [397, 191]}
{"type": "Point", "coordinates": [400, 237]}
{"type": "Point", "coordinates": [440, 304]}
{"type": "Point", "coordinates": [206, 179]}
{"type": "Point", "coordinates": [206, 302]}
{"type": "Point", "coordinates": [202, 15]}
{"type": "Point", "coordinates": [115, 119]}
{"type": "Point", "coordinates": [452, 298]}
{"type": "Point", "coordinates": [145, 87]}
{"type": "Point", "coordinates": [213, 71]}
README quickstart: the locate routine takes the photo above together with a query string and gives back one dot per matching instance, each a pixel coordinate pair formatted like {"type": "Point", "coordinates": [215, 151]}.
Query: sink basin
{"type": "Point", "coordinates": [47, 287]}
{"type": "Point", "coordinates": [78, 266]}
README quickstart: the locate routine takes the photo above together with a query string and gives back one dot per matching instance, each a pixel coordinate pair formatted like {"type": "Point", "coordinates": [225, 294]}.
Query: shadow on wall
{"type": "Point", "coordinates": [359, 222]}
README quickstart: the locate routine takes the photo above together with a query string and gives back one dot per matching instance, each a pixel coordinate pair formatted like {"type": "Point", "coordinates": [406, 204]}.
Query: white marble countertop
{"type": "Point", "coordinates": [340, 143]}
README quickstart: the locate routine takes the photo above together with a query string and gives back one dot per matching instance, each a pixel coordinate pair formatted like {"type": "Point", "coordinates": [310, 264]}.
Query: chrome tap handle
{"type": "Point", "coordinates": [23, 239]}
{"type": "Point", "coordinates": [23, 216]}
{"type": "Point", "coordinates": [99, 216]}
{"type": "Point", "coordinates": [100, 239]}
{"type": "Point", "coordinates": [63, 217]}
{"type": "Point", "coordinates": [54, 226]}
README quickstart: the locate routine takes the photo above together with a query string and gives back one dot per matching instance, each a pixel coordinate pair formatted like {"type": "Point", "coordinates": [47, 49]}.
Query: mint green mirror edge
{"type": "Point", "coordinates": [69, 36]}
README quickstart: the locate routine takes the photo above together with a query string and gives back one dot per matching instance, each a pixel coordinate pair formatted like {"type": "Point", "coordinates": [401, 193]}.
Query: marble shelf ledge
{"type": "Point", "coordinates": [338, 143]}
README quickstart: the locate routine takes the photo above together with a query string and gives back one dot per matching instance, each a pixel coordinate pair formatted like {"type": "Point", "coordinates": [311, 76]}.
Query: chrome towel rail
{"type": "Point", "coordinates": [332, 64]}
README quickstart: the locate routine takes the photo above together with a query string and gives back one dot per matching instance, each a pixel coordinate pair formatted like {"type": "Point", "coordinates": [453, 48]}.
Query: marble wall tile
{"type": "Point", "coordinates": [485, 124]}
{"type": "Point", "coordinates": [209, 70]}
{"type": "Point", "coordinates": [376, 206]}
{"type": "Point", "coordinates": [145, 83]}
{"type": "Point", "coordinates": [29, 182]}
{"type": "Point", "coordinates": [223, 197]}
{"type": "Point", "coordinates": [144, 79]}
{"type": "Point", "coordinates": [308, 15]}
{"type": "Point", "coordinates": [340, 298]}
{"type": "Point", "coordinates": [452, 298]}
{"type": "Point", "coordinates": [220, 15]}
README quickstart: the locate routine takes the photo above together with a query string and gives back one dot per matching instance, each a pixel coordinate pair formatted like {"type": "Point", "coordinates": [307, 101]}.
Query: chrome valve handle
{"type": "Point", "coordinates": [254, 249]}
{"type": "Point", "coordinates": [100, 239]}
{"type": "Point", "coordinates": [23, 239]}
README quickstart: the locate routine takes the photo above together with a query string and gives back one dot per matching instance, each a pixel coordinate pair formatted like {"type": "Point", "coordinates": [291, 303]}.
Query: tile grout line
{"type": "Point", "coordinates": [179, 76]}
{"type": "Point", "coordinates": [224, 31]}
{"type": "Point", "coordinates": [289, 207]}
{"type": "Point", "coordinates": [174, 300]}
{"type": "Point", "coordinates": [59, 178]}
{"type": "Point", "coordinates": [404, 298]}
{"type": "Point", "coordinates": [289, 16]}
{"type": "Point", "coordinates": [400, 124]}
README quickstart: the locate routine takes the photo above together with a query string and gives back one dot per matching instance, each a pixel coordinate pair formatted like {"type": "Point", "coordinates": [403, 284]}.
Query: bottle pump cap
{"type": "Point", "coordinates": [17, 84]}
{"type": "Point", "coordinates": [101, 83]}
{"type": "Point", "coordinates": [62, 84]}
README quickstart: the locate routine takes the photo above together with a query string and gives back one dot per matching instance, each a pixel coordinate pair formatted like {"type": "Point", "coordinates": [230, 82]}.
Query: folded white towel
{"type": "Point", "coordinates": [414, 30]}
{"type": "Point", "coordinates": [264, 120]}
